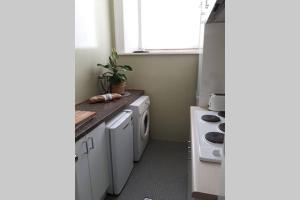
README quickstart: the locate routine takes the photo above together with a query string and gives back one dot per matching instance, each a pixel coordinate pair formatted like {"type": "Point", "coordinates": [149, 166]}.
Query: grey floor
{"type": "Point", "coordinates": [161, 174]}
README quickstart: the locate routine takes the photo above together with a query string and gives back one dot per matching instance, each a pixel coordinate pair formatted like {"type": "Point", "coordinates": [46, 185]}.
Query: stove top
{"type": "Point", "coordinates": [221, 114]}
{"type": "Point", "coordinates": [222, 127]}
{"type": "Point", "coordinates": [211, 134]}
{"type": "Point", "coordinates": [210, 118]}
{"type": "Point", "coordinates": [215, 137]}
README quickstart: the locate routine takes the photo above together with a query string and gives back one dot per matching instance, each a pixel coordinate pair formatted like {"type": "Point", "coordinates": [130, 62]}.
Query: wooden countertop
{"type": "Point", "coordinates": [206, 176]}
{"type": "Point", "coordinates": [104, 111]}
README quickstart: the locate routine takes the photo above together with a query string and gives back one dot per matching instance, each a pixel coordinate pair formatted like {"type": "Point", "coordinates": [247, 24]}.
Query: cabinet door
{"type": "Point", "coordinates": [98, 161]}
{"type": "Point", "coordinates": [82, 174]}
{"type": "Point", "coordinates": [76, 188]}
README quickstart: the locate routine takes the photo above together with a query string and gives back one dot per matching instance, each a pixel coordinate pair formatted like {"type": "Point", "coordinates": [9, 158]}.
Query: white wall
{"type": "Point", "coordinates": [212, 71]}
{"type": "Point", "coordinates": [86, 58]}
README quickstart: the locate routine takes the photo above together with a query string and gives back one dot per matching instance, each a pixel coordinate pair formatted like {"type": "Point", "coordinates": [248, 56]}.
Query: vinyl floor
{"type": "Point", "coordinates": [161, 174]}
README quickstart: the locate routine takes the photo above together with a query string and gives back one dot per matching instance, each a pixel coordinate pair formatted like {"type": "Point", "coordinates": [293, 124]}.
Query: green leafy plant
{"type": "Point", "coordinates": [116, 73]}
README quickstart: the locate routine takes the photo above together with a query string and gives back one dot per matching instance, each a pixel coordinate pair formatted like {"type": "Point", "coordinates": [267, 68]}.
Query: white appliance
{"type": "Point", "coordinates": [211, 135]}
{"type": "Point", "coordinates": [216, 102]}
{"type": "Point", "coordinates": [141, 122]}
{"type": "Point", "coordinates": [119, 133]}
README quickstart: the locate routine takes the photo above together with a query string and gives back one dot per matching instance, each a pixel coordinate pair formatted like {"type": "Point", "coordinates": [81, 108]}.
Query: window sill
{"type": "Point", "coordinates": [167, 52]}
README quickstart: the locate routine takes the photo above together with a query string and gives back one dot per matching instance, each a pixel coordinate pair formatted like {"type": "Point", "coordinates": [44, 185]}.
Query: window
{"type": "Point", "coordinates": [85, 30]}
{"type": "Point", "coordinates": [159, 24]}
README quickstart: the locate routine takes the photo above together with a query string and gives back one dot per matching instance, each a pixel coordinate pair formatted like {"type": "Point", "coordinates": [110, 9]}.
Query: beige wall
{"type": "Point", "coordinates": [86, 59]}
{"type": "Point", "coordinates": [170, 81]}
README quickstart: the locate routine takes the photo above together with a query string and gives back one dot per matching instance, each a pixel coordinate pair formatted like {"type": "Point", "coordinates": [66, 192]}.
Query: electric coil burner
{"type": "Point", "coordinates": [211, 134]}
{"type": "Point", "coordinates": [222, 127]}
{"type": "Point", "coordinates": [215, 137]}
{"type": "Point", "coordinates": [221, 113]}
{"type": "Point", "coordinates": [210, 118]}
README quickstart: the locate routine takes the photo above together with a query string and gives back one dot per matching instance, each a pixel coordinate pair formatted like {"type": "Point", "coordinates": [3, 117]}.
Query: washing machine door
{"type": "Point", "coordinates": [145, 122]}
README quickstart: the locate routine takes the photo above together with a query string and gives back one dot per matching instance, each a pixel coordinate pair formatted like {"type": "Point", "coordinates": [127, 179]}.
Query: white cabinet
{"type": "Point", "coordinates": [98, 161]}
{"type": "Point", "coordinates": [76, 188]}
{"type": "Point", "coordinates": [92, 165]}
{"type": "Point", "coordinates": [82, 171]}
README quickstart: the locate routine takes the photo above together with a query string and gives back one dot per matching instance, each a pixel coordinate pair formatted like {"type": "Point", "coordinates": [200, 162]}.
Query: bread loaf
{"type": "Point", "coordinates": [104, 97]}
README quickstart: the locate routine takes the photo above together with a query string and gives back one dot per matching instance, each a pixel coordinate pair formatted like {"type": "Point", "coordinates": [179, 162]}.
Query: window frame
{"type": "Point", "coordinates": [120, 39]}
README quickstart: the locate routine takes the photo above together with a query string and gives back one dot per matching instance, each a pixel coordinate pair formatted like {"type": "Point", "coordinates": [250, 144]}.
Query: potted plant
{"type": "Point", "coordinates": [116, 74]}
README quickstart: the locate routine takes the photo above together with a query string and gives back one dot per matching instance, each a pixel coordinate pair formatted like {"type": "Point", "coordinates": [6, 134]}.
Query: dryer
{"type": "Point", "coordinates": [141, 123]}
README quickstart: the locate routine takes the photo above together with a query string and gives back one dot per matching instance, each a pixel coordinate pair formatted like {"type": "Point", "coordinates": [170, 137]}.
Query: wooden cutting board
{"type": "Point", "coordinates": [81, 117]}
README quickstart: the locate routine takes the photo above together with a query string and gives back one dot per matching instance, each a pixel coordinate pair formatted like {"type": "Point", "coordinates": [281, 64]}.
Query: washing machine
{"type": "Point", "coordinates": [141, 122]}
{"type": "Point", "coordinates": [119, 132]}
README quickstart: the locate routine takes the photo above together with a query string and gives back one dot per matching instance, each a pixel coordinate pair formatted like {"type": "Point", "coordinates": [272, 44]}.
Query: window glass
{"type": "Point", "coordinates": [170, 24]}
{"type": "Point", "coordinates": [85, 30]}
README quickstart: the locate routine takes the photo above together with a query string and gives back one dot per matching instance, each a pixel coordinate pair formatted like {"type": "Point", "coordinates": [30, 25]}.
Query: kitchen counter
{"type": "Point", "coordinates": [206, 176]}
{"type": "Point", "coordinates": [104, 111]}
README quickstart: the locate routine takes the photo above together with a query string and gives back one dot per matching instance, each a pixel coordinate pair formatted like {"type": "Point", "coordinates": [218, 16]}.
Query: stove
{"type": "Point", "coordinates": [211, 135]}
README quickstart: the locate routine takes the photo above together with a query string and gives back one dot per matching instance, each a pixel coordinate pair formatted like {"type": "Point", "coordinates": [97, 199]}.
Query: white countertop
{"type": "Point", "coordinates": [206, 176]}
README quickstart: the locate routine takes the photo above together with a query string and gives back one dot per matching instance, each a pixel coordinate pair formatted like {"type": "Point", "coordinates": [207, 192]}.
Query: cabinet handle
{"type": "Point", "coordinates": [92, 142]}
{"type": "Point", "coordinates": [86, 147]}
{"type": "Point", "coordinates": [125, 126]}
{"type": "Point", "coordinates": [76, 158]}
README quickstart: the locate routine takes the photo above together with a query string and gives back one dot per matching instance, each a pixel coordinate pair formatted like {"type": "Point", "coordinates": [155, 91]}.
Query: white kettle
{"type": "Point", "coordinates": [216, 102]}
